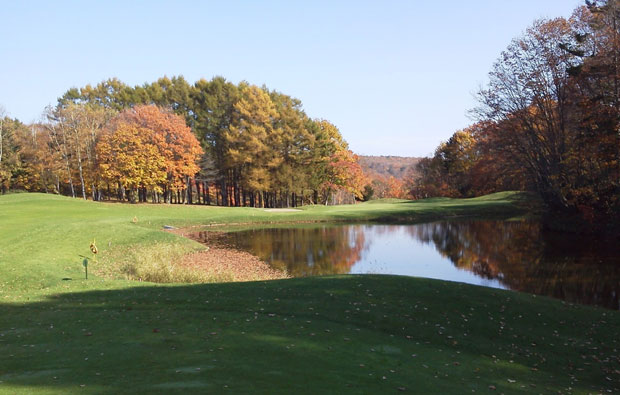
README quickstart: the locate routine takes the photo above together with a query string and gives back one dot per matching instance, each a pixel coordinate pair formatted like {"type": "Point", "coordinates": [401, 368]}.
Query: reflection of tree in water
{"type": "Point", "coordinates": [525, 258]}
{"type": "Point", "coordinates": [305, 251]}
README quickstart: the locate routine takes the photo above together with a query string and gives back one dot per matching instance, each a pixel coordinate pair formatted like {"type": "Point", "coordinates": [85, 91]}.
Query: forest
{"type": "Point", "coordinates": [212, 142]}
{"type": "Point", "coordinates": [387, 175]}
{"type": "Point", "coordinates": [548, 121]}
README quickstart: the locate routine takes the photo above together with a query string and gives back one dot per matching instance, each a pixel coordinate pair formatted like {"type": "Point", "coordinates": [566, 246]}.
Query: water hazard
{"type": "Point", "coordinates": [500, 254]}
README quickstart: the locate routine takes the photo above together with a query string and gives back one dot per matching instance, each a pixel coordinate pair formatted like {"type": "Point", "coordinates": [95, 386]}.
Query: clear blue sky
{"type": "Point", "coordinates": [396, 77]}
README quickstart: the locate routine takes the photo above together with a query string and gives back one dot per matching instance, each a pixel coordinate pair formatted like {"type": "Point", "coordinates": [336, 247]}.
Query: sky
{"type": "Point", "coordinates": [396, 77]}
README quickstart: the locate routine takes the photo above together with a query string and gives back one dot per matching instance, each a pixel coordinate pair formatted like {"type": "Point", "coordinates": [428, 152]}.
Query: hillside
{"type": "Point", "coordinates": [386, 166]}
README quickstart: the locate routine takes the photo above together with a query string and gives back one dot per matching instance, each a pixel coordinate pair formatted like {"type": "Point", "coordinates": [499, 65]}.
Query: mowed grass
{"type": "Point", "coordinates": [60, 333]}
{"type": "Point", "coordinates": [43, 238]}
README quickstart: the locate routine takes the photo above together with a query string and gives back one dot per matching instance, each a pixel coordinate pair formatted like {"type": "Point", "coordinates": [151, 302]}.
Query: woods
{"type": "Point", "coordinates": [212, 142]}
{"type": "Point", "coordinates": [548, 121]}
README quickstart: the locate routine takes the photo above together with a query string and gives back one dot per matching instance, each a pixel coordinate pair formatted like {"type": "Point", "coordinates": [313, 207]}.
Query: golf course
{"type": "Point", "coordinates": [63, 333]}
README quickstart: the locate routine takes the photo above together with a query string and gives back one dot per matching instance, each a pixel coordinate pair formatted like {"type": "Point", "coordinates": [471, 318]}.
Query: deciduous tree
{"type": "Point", "coordinates": [176, 142]}
{"type": "Point", "coordinates": [131, 157]}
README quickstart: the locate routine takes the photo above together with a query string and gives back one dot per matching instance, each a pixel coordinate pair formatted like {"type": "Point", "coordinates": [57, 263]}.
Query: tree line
{"type": "Point", "coordinates": [211, 142]}
{"type": "Point", "coordinates": [547, 121]}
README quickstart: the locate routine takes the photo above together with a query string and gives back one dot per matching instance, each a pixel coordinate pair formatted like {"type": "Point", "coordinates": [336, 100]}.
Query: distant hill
{"type": "Point", "coordinates": [386, 166]}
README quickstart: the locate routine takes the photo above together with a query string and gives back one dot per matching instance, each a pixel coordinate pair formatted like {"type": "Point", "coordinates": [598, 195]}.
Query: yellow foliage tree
{"type": "Point", "coordinates": [130, 156]}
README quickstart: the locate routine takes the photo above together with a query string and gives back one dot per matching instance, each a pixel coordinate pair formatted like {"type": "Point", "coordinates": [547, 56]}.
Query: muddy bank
{"type": "Point", "coordinates": [225, 260]}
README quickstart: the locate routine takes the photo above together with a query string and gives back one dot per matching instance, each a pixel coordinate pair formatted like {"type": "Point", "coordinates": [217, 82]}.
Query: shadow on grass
{"type": "Point", "coordinates": [509, 196]}
{"type": "Point", "coordinates": [490, 211]}
{"type": "Point", "coordinates": [332, 334]}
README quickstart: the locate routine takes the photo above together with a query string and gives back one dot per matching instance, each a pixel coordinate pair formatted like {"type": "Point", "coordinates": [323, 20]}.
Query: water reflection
{"type": "Point", "coordinates": [515, 255]}
{"type": "Point", "coordinates": [305, 251]}
{"type": "Point", "coordinates": [526, 258]}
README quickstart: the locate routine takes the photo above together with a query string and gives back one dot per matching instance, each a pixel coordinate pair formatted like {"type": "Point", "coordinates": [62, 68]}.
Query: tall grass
{"type": "Point", "coordinates": [157, 263]}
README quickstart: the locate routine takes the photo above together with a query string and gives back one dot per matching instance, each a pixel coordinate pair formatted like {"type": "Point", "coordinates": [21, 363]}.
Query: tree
{"type": "Point", "coordinates": [10, 164]}
{"type": "Point", "coordinates": [74, 129]}
{"type": "Point", "coordinates": [529, 93]}
{"type": "Point", "coordinates": [131, 157]}
{"type": "Point", "coordinates": [449, 171]}
{"type": "Point", "coordinates": [277, 161]}
{"type": "Point", "coordinates": [295, 147]}
{"type": "Point", "coordinates": [252, 139]}
{"type": "Point", "coordinates": [594, 161]}
{"type": "Point", "coordinates": [327, 141]}
{"type": "Point", "coordinates": [175, 140]}
{"type": "Point", "coordinates": [2, 115]}
{"type": "Point", "coordinates": [457, 157]}
{"type": "Point", "coordinates": [39, 166]}
{"type": "Point", "coordinates": [344, 173]}
{"type": "Point", "coordinates": [496, 168]}
{"type": "Point", "coordinates": [554, 98]}
{"type": "Point", "coordinates": [213, 108]}
{"type": "Point", "coordinates": [112, 94]}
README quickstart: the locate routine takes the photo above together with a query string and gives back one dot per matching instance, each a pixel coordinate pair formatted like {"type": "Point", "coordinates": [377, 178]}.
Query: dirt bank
{"type": "Point", "coordinates": [225, 260]}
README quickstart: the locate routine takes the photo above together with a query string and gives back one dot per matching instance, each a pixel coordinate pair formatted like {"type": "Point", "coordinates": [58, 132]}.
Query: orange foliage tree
{"type": "Point", "coordinates": [345, 173]}
{"type": "Point", "coordinates": [176, 142]}
{"type": "Point", "coordinates": [130, 157]}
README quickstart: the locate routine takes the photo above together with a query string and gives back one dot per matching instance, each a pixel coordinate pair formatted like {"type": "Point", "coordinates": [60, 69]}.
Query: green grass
{"type": "Point", "coordinates": [42, 237]}
{"type": "Point", "coordinates": [60, 333]}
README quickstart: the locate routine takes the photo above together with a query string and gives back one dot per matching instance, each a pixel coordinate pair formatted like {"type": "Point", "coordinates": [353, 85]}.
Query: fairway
{"type": "Point", "coordinates": [60, 333]}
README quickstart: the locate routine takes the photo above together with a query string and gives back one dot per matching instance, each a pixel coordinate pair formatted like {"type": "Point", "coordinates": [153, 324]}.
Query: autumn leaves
{"type": "Point", "coordinates": [148, 148]}
{"type": "Point", "coordinates": [169, 141]}
{"type": "Point", "coordinates": [548, 121]}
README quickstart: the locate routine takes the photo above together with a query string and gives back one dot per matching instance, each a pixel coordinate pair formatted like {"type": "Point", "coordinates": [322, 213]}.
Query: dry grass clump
{"type": "Point", "coordinates": [157, 263]}
{"type": "Point", "coordinates": [176, 263]}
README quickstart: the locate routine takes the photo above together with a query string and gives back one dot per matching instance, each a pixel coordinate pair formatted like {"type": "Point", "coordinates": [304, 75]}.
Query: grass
{"type": "Point", "coordinates": [60, 333]}
{"type": "Point", "coordinates": [156, 263]}
{"type": "Point", "coordinates": [43, 236]}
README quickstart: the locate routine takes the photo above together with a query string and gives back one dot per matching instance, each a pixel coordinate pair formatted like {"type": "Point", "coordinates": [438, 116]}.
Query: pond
{"type": "Point", "coordinates": [515, 255]}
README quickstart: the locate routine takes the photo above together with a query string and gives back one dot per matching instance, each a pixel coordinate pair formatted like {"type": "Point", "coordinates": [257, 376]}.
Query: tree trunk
{"type": "Point", "coordinates": [190, 191]}
{"type": "Point", "coordinates": [70, 180]}
{"type": "Point", "coordinates": [197, 191]}
{"type": "Point", "coordinates": [81, 173]}
{"type": "Point", "coordinates": [224, 192]}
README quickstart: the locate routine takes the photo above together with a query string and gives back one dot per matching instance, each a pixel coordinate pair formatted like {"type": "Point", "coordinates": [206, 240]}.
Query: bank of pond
{"type": "Point", "coordinates": [516, 255]}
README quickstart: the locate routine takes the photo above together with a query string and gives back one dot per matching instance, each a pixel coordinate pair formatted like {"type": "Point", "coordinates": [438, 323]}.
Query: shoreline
{"type": "Point", "coordinates": [223, 260]}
